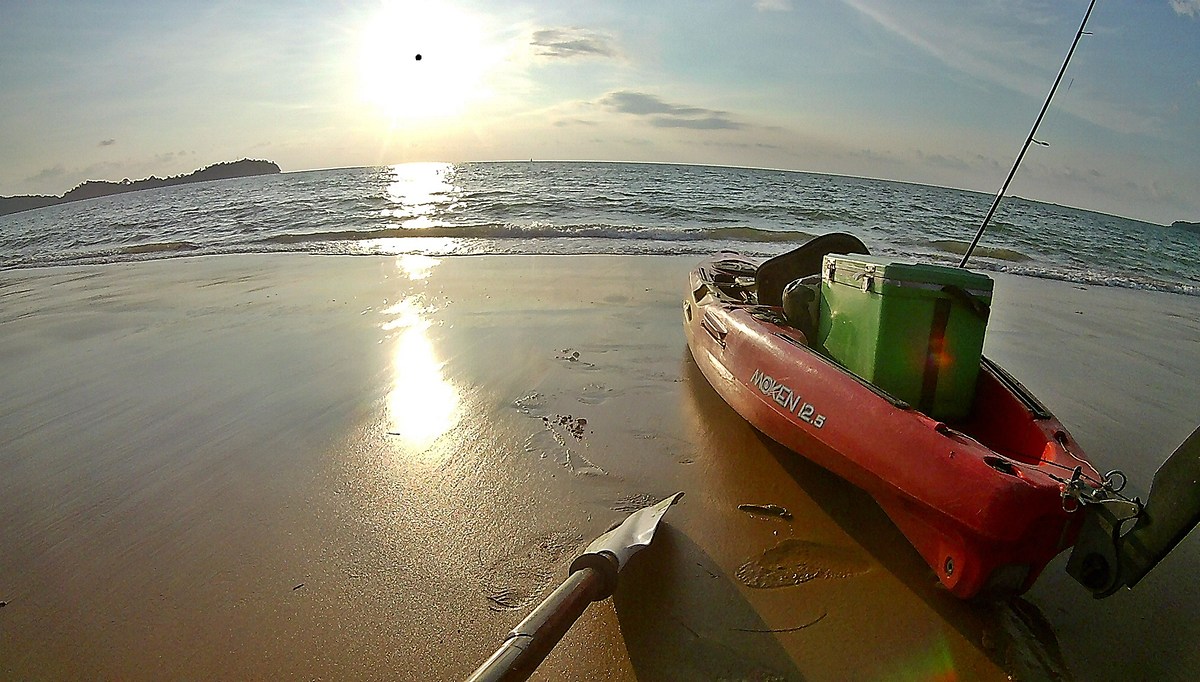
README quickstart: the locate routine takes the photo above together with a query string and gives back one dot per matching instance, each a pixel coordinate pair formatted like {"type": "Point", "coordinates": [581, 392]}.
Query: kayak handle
{"type": "Point", "coordinates": [715, 329]}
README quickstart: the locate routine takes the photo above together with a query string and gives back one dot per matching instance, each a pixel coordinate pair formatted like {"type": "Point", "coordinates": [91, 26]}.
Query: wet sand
{"type": "Point", "coordinates": [251, 467]}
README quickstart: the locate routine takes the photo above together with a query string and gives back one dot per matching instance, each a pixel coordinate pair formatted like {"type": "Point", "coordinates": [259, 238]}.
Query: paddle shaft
{"type": "Point", "coordinates": [531, 641]}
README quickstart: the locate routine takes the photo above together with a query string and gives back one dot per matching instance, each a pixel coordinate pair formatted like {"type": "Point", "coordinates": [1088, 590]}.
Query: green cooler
{"type": "Point", "coordinates": [915, 331]}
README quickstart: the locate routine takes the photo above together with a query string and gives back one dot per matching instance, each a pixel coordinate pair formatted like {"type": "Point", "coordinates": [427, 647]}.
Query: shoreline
{"type": "Point", "coordinates": [210, 467]}
{"type": "Point", "coordinates": [182, 249]}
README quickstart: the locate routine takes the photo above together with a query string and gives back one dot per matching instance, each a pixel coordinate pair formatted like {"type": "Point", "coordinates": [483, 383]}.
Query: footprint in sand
{"type": "Point", "coordinates": [594, 394]}
{"type": "Point", "coordinates": [532, 404]}
{"type": "Point", "coordinates": [559, 430]}
{"type": "Point", "coordinates": [566, 424]}
{"type": "Point", "coordinates": [634, 502]}
{"type": "Point", "coordinates": [572, 357]}
{"type": "Point", "coordinates": [794, 562]}
{"type": "Point", "coordinates": [549, 444]}
{"type": "Point", "coordinates": [516, 579]}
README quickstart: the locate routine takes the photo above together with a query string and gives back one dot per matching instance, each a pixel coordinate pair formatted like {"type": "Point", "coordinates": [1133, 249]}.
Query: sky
{"type": "Point", "coordinates": [939, 92]}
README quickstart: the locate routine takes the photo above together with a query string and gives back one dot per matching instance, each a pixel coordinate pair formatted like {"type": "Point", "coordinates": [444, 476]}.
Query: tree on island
{"type": "Point", "coordinates": [99, 188]}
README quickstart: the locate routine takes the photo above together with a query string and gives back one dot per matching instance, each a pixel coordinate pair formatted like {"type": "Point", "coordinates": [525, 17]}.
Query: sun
{"type": "Point", "coordinates": [424, 61]}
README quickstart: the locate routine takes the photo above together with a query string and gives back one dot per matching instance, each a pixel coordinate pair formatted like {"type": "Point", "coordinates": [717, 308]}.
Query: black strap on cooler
{"type": "Point", "coordinates": [977, 307]}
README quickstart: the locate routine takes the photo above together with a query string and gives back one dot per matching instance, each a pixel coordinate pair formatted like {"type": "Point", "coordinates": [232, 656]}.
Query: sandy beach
{"type": "Point", "coordinates": [304, 467]}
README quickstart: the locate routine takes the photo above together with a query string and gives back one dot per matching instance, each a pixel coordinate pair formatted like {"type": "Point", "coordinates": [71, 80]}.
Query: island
{"type": "Point", "coordinates": [99, 188]}
{"type": "Point", "coordinates": [1194, 227]}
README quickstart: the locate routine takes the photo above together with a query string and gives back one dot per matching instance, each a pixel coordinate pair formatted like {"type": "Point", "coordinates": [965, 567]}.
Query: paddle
{"type": "Point", "coordinates": [593, 577]}
{"type": "Point", "coordinates": [1104, 558]}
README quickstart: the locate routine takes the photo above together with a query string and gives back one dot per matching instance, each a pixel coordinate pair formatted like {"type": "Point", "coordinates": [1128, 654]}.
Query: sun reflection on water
{"type": "Point", "coordinates": [422, 404]}
{"type": "Point", "coordinates": [408, 245]}
{"type": "Point", "coordinates": [418, 192]}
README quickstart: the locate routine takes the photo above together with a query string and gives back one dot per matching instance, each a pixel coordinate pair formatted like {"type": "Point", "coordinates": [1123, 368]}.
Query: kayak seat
{"type": "Point", "coordinates": [776, 273]}
{"type": "Point", "coordinates": [800, 304]}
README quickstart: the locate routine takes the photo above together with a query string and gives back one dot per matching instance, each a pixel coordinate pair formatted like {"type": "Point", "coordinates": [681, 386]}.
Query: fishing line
{"type": "Point", "coordinates": [1028, 140]}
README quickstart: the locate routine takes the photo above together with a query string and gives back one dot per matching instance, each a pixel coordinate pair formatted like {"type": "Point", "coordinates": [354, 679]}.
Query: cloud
{"type": "Point", "coordinates": [773, 5]}
{"type": "Point", "coordinates": [565, 122]}
{"type": "Point", "coordinates": [108, 143]}
{"type": "Point", "coordinates": [665, 115]}
{"type": "Point", "coordinates": [706, 123]}
{"type": "Point", "coordinates": [960, 36]}
{"type": "Point", "coordinates": [957, 35]}
{"type": "Point", "coordinates": [1188, 8]}
{"type": "Point", "coordinates": [744, 145]}
{"type": "Point", "coordinates": [945, 161]}
{"type": "Point", "coordinates": [103, 169]}
{"type": "Point", "coordinates": [568, 43]}
{"type": "Point", "coordinates": [52, 173]}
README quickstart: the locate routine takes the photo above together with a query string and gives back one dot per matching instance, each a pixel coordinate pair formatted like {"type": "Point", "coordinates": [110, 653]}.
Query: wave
{"type": "Point", "coordinates": [822, 215]}
{"type": "Point", "coordinates": [545, 231]}
{"type": "Point", "coordinates": [993, 252]}
{"type": "Point", "coordinates": [158, 247]}
{"type": "Point", "coordinates": [1101, 279]}
{"type": "Point", "coordinates": [567, 208]}
{"type": "Point", "coordinates": [755, 234]}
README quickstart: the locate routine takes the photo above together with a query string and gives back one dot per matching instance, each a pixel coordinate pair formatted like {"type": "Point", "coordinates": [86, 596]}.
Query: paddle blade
{"type": "Point", "coordinates": [634, 533]}
{"type": "Point", "coordinates": [1171, 512]}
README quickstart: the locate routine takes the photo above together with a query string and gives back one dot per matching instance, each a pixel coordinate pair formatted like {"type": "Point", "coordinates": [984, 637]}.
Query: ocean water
{"type": "Point", "coordinates": [596, 208]}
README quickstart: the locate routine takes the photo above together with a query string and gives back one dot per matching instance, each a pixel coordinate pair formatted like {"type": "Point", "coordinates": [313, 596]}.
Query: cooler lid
{"type": "Point", "coordinates": [873, 272]}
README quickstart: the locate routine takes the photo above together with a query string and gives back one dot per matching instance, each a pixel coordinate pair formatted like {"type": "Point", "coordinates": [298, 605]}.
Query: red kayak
{"type": "Point", "coordinates": [979, 490]}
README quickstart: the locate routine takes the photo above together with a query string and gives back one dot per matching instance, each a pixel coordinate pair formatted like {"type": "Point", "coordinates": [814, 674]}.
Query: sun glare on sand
{"type": "Point", "coordinates": [423, 61]}
{"type": "Point", "coordinates": [422, 404]}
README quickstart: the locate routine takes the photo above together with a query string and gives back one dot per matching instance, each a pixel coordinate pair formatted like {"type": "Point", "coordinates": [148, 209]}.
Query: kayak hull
{"type": "Point", "coordinates": [980, 500]}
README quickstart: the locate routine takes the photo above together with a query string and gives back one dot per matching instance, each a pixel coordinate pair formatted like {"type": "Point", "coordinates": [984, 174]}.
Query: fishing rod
{"type": "Point", "coordinates": [1029, 140]}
